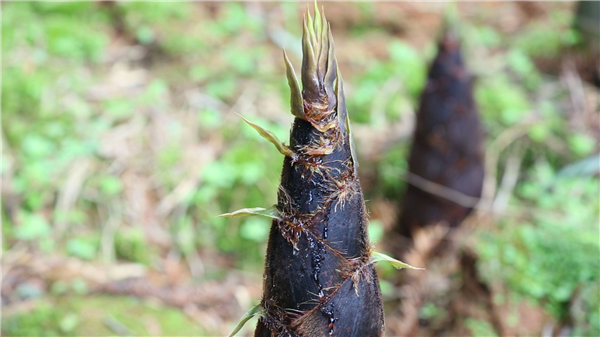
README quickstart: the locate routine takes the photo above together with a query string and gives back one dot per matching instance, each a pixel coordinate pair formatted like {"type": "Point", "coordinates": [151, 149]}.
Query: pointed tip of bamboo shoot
{"type": "Point", "coordinates": [319, 66]}
{"type": "Point", "coordinates": [450, 31]}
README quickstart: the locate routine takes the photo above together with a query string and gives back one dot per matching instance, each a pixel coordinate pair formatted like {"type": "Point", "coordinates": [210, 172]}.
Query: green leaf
{"type": "Point", "coordinates": [387, 288]}
{"type": "Point", "coordinates": [79, 286]}
{"type": "Point", "coordinates": [243, 65]}
{"type": "Point", "coordinates": [111, 185]}
{"type": "Point", "coordinates": [581, 144]}
{"type": "Point", "coordinates": [69, 322]}
{"type": "Point", "coordinates": [296, 93]}
{"type": "Point", "coordinates": [255, 310]}
{"type": "Point", "coordinates": [209, 118]}
{"type": "Point", "coordinates": [145, 35]}
{"type": "Point", "coordinates": [252, 172]}
{"type": "Point", "coordinates": [59, 288]}
{"type": "Point", "coordinates": [81, 248]}
{"type": "Point", "coordinates": [33, 226]}
{"type": "Point", "coordinates": [185, 235]}
{"type": "Point", "coordinates": [511, 116]}
{"type": "Point", "coordinates": [219, 173]}
{"type": "Point", "coordinates": [37, 146]}
{"type": "Point", "coordinates": [352, 145]}
{"type": "Point", "coordinates": [222, 87]}
{"type": "Point", "coordinates": [199, 73]}
{"type": "Point", "coordinates": [270, 212]}
{"type": "Point", "coordinates": [520, 62]}
{"type": "Point", "coordinates": [539, 132]}
{"type": "Point", "coordinates": [480, 327]}
{"type": "Point", "coordinates": [375, 230]}
{"type": "Point", "coordinates": [271, 137]}
{"type": "Point", "coordinates": [255, 229]}
{"type": "Point", "coordinates": [376, 257]}
{"type": "Point", "coordinates": [413, 71]}
{"type": "Point", "coordinates": [119, 108]}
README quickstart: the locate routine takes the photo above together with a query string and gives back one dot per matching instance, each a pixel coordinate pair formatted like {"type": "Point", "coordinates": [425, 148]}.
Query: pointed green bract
{"type": "Point", "coordinates": [377, 257]}
{"type": "Point", "coordinates": [331, 73]}
{"type": "Point", "coordinates": [255, 310]}
{"type": "Point", "coordinates": [309, 28]}
{"type": "Point", "coordinates": [270, 212]}
{"type": "Point", "coordinates": [345, 118]}
{"type": "Point", "coordinates": [296, 93]}
{"type": "Point", "coordinates": [352, 146]}
{"type": "Point", "coordinates": [317, 27]}
{"type": "Point", "coordinates": [324, 42]}
{"type": "Point", "coordinates": [309, 80]}
{"type": "Point", "coordinates": [270, 136]}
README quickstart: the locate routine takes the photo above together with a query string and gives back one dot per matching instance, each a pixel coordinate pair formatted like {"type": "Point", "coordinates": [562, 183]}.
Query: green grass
{"type": "Point", "coordinates": [551, 257]}
{"type": "Point", "coordinates": [88, 316]}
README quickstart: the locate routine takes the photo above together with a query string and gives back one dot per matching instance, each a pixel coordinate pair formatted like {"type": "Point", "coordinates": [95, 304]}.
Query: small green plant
{"type": "Point", "coordinates": [130, 245]}
{"type": "Point", "coordinates": [552, 257]}
{"type": "Point", "coordinates": [480, 328]}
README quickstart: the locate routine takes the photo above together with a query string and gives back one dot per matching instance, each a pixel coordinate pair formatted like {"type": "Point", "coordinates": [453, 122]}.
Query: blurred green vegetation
{"type": "Point", "coordinates": [72, 143]}
{"type": "Point", "coordinates": [93, 315]}
{"type": "Point", "coordinates": [552, 256]}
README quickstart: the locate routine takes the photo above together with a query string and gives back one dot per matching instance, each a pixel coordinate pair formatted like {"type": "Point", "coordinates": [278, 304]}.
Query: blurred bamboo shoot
{"type": "Point", "coordinates": [447, 147]}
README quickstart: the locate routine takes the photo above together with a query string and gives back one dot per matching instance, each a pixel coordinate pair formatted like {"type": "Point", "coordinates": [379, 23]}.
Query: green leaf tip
{"type": "Point", "coordinates": [270, 212]}
{"type": "Point", "coordinates": [377, 257]}
{"type": "Point", "coordinates": [254, 311]}
{"type": "Point", "coordinates": [296, 102]}
{"type": "Point", "coordinates": [332, 71]}
{"type": "Point", "coordinates": [318, 23]}
{"type": "Point", "coordinates": [352, 145]}
{"type": "Point", "coordinates": [270, 136]}
{"type": "Point", "coordinates": [310, 26]}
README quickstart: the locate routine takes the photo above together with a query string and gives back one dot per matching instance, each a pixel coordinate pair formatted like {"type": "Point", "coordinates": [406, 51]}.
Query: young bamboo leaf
{"type": "Point", "coordinates": [317, 27]}
{"type": "Point", "coordinates": [325, 47]}
{"type": "Point", "coordinates": [376, 257]}
{"type": "Point", "coordinates": [255, 310]}
{"type": "Point", "coordinates": [342, 113]}
{"type": "Point", "coordinates": [270, 212]}
{"type": "Point", "coordinates": [270, 136]}
{"type": "Point", "coordinates": [296, 92]}
{"type": "Point", "coordinates": [310, 81]}
{"type": "Point", "coordinates": [352, 146]}
{"type": "Point", "coordinates": [331, 73]}
{"type": "Point", "coordinates": [309, 30]}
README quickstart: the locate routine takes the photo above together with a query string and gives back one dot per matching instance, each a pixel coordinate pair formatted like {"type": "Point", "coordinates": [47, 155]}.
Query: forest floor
{"type": "Point", "coordinates": [121, 145]}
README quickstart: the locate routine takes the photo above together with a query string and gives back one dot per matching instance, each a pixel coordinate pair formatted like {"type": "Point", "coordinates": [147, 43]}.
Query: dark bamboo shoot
{"type": "Point", "coordinates": [447, 147]}
{"type": "Point", "coordinates": [319, 276]}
